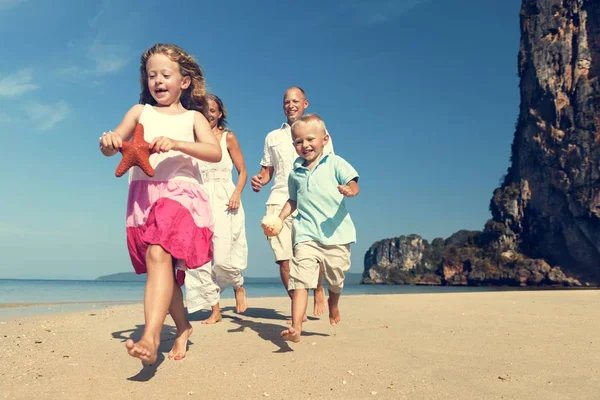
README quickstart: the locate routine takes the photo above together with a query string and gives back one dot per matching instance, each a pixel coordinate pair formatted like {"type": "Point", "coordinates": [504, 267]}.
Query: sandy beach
{"type": "Point", "coordinates": [492, 345]}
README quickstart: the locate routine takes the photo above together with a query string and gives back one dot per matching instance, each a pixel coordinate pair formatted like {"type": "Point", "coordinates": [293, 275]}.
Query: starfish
{"type": "Point", "coordinates": [135, 152]}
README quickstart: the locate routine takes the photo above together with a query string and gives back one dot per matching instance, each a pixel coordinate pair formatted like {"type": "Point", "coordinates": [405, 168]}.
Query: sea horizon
{"type": "Point", "coordinates": [26, 297]}
{"type": "Point", "coordinates": [19, 297]}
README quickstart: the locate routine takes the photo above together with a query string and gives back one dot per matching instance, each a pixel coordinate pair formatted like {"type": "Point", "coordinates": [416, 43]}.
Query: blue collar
{"type": "Point", "coordinates": [299, 161]}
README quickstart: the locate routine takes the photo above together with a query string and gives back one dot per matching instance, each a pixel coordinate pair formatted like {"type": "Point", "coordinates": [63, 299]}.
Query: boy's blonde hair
{"type": "Point", "coordinates": [312, 119]}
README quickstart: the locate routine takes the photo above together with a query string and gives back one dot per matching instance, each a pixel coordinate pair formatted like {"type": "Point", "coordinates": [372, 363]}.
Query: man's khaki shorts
{"type": "Point", "coordinates": [304, 270]}
{"type": "Point", "coordinates": [282, 243]}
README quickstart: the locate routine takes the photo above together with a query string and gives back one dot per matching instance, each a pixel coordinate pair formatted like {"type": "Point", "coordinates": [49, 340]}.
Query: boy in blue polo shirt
{"type": "Point", "coordinates": [323, 228]}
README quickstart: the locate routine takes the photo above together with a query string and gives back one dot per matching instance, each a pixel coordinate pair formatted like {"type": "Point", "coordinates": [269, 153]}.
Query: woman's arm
{"type": "Point", "coordinates": [237, 157]}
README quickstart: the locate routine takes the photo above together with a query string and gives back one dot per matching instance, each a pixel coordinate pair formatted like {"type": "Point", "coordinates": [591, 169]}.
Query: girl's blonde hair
{"type": "Point", "coordinates": [192, 98]}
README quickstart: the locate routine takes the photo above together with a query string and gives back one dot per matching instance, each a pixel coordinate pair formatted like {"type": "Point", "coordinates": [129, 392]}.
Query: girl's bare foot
{"type": "Point", "coordinates": [319, 306]}
{"type": "Point", "coordinates": [291, 335]}
{"type": "Point", "coordinates": [145, 350]}
{"type": "Point", "coordinates": [240, 300]}
{"type": "Point", "coordinates": [334, 312]}
{"type": "Point", "coordinates": [180, 345]}
{"type": "Point", "coordinates": [304, 319]}
{"type": "Point", "coordinates": [214, 317]}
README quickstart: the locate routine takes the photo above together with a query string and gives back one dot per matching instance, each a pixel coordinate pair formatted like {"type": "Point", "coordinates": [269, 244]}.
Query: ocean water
{"type": "Point", "coordinates": [30, 297]}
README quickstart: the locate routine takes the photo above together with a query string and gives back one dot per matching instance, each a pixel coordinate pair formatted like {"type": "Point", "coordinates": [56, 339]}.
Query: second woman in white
{"type": "Point", "coordinates": [230, 248]}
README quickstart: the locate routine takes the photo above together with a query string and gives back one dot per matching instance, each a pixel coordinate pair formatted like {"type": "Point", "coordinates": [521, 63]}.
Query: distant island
{"type": "Point", "coordinates": [351, 278]}
{"type": "Point", "coordinates": [123, 277]}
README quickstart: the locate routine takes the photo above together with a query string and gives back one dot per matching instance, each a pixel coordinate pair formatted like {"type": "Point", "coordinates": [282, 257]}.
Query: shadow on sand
{"type": "Point", "coordinates": [267, 331]}
{"type": "Point", "coordinates": [167, 336]}
{"type": "Point", "coordinates": [251, 312]}
{"type": "Point", "coordinates": [266, 313]}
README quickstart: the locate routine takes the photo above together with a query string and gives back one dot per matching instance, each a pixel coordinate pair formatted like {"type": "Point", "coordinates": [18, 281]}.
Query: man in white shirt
{"type": "Point", "coordinates": [277, 162]}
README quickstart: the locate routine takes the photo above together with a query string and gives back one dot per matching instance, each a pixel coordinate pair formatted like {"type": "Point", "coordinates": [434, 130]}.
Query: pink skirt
{"type": "Point", "coordinates": [175, 215]}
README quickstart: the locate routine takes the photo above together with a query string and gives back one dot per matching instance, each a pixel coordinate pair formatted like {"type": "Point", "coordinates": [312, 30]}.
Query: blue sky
{"type": "Point", "coordinates": [420, 96]}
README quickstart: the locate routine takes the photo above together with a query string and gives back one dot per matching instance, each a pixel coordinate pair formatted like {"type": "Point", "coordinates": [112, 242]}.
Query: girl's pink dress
{"type": "Point", "coordinates": [170, 209]}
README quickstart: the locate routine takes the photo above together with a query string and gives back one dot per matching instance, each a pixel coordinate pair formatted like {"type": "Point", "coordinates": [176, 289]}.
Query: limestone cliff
{"type": "Point", "coordinates": [546, 214]}
{"type": "Point", "coordinates": [550, 199]}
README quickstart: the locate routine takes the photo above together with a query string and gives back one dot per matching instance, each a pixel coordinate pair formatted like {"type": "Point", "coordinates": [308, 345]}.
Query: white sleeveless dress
{"type": "Point", "coordinates": [230, 249]}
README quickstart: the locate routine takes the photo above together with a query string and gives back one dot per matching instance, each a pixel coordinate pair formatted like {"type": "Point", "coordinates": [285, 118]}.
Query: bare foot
{"type": "Point", "coordinates": [214, 317]}
{"type": "Point", "coordinates": [291, 335]}
{"type": "Point", "coordinates": [145, 350]}
{"type": "Point", "coordinates": [240, 300]}
{"type": "Point", "coordinates": [319, 307]}
{"type": "Point", "coordinates": [304, 319]}
{"type": "Point", "coordinates": [180, 345]}
{"type": "Point", "coordinates": [334, 313]}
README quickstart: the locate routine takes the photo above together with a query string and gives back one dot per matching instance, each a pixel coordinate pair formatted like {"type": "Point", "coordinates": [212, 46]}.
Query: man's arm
{"type": "Point", "coordinates": [266, 171]}
{"type": "Point", "coordinates": [262, 178]}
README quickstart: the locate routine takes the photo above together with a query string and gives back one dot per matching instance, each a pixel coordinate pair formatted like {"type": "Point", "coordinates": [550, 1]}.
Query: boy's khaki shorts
{"type": "Point", "coordinates": [304, 270]}
{"type": "Point", "coordinates": [282, 243]}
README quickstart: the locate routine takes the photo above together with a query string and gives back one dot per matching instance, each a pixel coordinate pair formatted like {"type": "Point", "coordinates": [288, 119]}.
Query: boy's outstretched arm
{"type": "Point", "coordinates": [288, 208]}
{"type": "Point", "coordinates": [272, 224]}
{"type": "Point", "coordinates": [351, 189]}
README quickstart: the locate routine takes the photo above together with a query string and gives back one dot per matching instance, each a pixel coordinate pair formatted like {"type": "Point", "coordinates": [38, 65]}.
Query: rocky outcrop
{"type": "Point", "coordinates": [404, 260]}
{"type": "Point", "coordinates": [545, 226]}
{"type": "Point", "coordinates": [465, 258]}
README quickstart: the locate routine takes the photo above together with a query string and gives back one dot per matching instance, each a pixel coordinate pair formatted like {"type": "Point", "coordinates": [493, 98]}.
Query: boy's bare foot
{"type": "Point", "coordinates": [240, 300]}
{"type": "Point", "coordinates": [291, 335]}
{"type": "Point", "coordinates": [180, 345]}
{"type": "Point", "coordinates": [334, 312]}
{"type": "Point", "coordinates": [145, 350]}
{"type": "Point", "coordinates": [319, 306]}
{"type": "Point", "coordinates": [214, 317]}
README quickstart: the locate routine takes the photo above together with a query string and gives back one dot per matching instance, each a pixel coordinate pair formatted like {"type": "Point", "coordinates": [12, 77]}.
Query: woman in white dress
{"type": "Point", "coordinates": [230, 249]}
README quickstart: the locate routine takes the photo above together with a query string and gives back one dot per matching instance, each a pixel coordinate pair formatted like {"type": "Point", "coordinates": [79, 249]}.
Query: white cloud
{"type": "Point", "coordinates": [6, 4]}
{"type": "Point", "coordinates": [17, 83]}
{"type": "Point", "coordinates": [5, 119]}
{"type": "Point", "coordinates": [47, 116]}
{"type": "Point", "coordinates": [104, 59]}
{"type": "Point", "coordinates": [103, 12]}
{"type": "Point", "coordinates": [11, 231]}
{"type": "Point", "coordinates": [100, 51]}
{"type": "Point", "coordinates": [377, 12]}
{"type": "Point", "coordinates": [8, 230]}
{"type": "Point", "coordinates": [108, 58]}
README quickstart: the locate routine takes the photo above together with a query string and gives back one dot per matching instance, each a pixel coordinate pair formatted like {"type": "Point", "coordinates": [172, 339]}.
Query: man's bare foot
{"type": "Point", "coordinates": [291, 335]}
{"type": "Point", "coordinates": [319, 306]}
{"type": "Point", "coordinates": [214, 317]}
{"type": "Point", "coordinates": [304, 319]}
{"type": "Point", "coordinates": [145, 350]}
{"type": "Point", "coordinates": [334, 313]}
{"type": "Point", "coordinates": [180, 345]}
{"type": "Point", "coordinates": [240, 300]}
